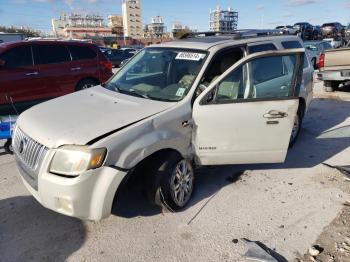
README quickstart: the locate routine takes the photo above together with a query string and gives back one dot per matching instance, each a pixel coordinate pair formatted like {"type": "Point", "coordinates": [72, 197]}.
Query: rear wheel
{"type": "Point", "coordinates": [331, 86]}
{"type": "Point", "coordinates": [171, 182]}
{"type": "Point", "coordinates": [297, 125]}
{"type": "Point", "coordinates": [86, 83]}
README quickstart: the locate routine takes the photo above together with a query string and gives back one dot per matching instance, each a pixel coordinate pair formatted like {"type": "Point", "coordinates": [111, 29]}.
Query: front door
{"type": "Point", "coordinates": [247, 114]}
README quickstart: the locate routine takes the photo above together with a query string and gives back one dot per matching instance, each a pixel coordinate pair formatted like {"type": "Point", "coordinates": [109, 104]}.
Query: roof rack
{"type": "Point", "coordinates": [238, 34]}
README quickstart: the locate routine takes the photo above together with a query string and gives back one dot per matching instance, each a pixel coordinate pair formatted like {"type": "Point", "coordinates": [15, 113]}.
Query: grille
{"type": "Point", "coordinates": [27, 149]}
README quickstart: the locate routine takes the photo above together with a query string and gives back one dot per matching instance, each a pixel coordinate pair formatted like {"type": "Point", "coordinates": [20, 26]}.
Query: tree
{"type": "Point", "coordinates": [27, 32]}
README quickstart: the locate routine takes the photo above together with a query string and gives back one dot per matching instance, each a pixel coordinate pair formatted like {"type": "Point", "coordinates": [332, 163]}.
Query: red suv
{"type": "Point", "coordinates": [34, 71]}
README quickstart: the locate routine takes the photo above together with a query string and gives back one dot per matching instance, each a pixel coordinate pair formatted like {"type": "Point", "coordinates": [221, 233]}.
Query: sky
{"type": "Point", "coordinates": [195, 13]}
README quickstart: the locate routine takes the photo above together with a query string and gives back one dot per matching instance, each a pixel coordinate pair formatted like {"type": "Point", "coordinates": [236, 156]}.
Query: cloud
{"type": "Point", "coordinates": [260, 7]}
{"type": "Point", "coordinates": [302, 2]}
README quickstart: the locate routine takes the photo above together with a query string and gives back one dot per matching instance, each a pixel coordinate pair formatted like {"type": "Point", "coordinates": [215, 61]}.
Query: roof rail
{"type": "Point", "coordinates": [238, 34]}
{"type": "Point", "coordinates": [207, 33]}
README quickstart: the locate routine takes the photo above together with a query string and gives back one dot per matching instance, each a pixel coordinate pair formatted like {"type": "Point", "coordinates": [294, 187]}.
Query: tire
{"type": "Point", "coordinates": [171, 181]}
{"type": "Point", "coordinates": [297, 125]}
{"type": "Point", "coordinates": [8, 147]}
{"type": "Point", "coordinates": [330, 86]}
{"type": "Point", "coordinates": [313, 62]}
{"type": "Point", "coordinates": [86, 83]}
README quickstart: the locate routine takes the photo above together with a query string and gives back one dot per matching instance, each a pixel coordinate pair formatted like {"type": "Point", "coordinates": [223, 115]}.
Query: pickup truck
{"type": "Point", "coordinates": [334, 68]}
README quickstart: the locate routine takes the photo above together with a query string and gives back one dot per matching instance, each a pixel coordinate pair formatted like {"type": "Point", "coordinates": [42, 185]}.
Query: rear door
{"type": "Point", "coordinates": [19, 79]}
{"type": "Point", "coordinates": [84, 63]}
{"type": "Point", "coordinates": [247, 115]}
{"type": "Point", "coordinates": [54, 62]}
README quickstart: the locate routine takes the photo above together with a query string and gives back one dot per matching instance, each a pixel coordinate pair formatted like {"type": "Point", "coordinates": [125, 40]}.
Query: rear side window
{"type": "Point", "coordinates": [291, 45]}
{"type": "Point", "coordinates": [261, 48]}
{"type": "Point", "coordinates": [51, 54]}
{"type": "Point", "coordinates": [81, 52]}
{"type": "Point", "coordinates": [17, 57]}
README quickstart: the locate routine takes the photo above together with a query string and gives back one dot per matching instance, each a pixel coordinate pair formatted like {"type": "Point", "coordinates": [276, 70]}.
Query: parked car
{"type": "Point", "coordinates": [35, 71]}
{"type": "Point", "coordinates": [314, 49]}
{"type": "Point", "coordinates": [317, 32]}
{"type": "Point", "coordinates": [117, 56]}
{"type": "Point", "coordinates": [304, 30]}
{"type": "Point", "coordinates": [193, 102]}
{"type": "Point", "coordinates": [334, 42]}
{"type": "Point", "coordinates": [331, 30]}
{"type": "Point", "coordinates": [11, 37]}
{"type": "Point", "coordinates": [347, 32]}
{"type": "Point", "coordinates": [286, 29]}
{"type": "Point", "coordinates": [334, 68]}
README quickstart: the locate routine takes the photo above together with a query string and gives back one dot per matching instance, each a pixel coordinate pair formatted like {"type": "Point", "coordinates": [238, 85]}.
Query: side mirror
{"type": "Point", "coordinates": [2, 63]}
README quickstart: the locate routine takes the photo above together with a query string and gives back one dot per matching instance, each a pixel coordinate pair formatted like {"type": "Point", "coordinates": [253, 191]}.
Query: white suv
{"type": "Point", "coordinates": [203, 100]}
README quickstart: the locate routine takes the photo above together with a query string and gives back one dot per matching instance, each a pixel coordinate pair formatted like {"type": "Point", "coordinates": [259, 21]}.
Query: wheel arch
{"type": "Point", "coordinates": [302, 106]}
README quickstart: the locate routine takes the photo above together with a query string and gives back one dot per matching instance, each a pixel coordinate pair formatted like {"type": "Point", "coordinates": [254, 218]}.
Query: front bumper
{"type": "Point", "coordinates": [334, 75]}
{"type": "Point", "coordinates": [88, 196]}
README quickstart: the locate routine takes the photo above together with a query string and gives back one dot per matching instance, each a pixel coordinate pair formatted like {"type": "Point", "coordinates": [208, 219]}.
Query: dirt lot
{"type": "Point", "coordinates": [288, 207]}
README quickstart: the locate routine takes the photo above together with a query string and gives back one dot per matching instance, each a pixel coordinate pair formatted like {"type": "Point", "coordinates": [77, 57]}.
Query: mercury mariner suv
{"type": "Point", "coordinates": [207, 99]}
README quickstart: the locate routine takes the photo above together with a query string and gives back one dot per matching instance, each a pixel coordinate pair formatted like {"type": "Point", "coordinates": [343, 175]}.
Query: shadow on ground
{"type": "Point", "coordinates": [320, 139]}
{"type": "Point", "coordinates": [29, 232]}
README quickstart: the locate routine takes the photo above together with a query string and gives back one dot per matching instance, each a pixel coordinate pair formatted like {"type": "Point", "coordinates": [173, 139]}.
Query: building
{"type": "Point", "coordinates": [156, 29]}
{"type": "Point", "coordinates": [80, 26]}
{"type": "Point", "coordinates": [132, 19]}
{"type": "Point", "coordinates": [223, 20]}
{"type": "Point", "coordinates": [116, 23]}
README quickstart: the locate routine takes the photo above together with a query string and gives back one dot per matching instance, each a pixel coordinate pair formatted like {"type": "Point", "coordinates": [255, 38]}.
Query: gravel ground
{"type": "Point", "coordinates": [289, 207]}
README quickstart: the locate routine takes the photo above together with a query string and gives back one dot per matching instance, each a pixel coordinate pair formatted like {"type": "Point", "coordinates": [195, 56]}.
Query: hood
{"type": "Point", "coordinates": [85, 115]}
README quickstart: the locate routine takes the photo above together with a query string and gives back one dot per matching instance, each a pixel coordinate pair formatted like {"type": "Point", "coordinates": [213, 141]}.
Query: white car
{"type": "Point", "coordinates": [333, 42]}
{"type": "Point", "coordinates": [287, 29]}
{"type": "Point", "coordinates": [211, 100]}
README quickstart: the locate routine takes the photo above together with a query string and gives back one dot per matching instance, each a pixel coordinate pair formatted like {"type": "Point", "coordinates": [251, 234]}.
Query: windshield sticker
{"type": "Point", "coordinates": [189, 56]}
{"type": "Point", "coordinates": [180, 91]}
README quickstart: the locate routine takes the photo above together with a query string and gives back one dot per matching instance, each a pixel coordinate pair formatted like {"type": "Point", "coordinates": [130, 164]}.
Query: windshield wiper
{"type": "Point", "coordinates": [132, 92]}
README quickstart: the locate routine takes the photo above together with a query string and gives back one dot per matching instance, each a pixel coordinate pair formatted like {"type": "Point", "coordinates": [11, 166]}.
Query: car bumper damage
{"type": "Point", "coordinates": [88, 196]}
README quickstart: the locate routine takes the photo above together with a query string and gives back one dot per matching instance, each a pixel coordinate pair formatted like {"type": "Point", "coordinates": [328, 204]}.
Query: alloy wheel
{"type": "Point", "coordinates": [181, 183]}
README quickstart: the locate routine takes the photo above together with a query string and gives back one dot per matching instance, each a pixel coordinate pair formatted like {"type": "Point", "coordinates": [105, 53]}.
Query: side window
{"type": "Point", "coordinates": [306, 61]}
{"type": "Point", "coordinates": [81, 52]}
{"type": "Point", "coordinates": [291, 44]}
{"type": "Point", "coordinates": [250, 81]}
{"type": "Point", "coordinates": [261, 48]}
{"type": "Point", "coordinates": [18, 57]}
{"type": "Point", "coordinates": [51, 54]}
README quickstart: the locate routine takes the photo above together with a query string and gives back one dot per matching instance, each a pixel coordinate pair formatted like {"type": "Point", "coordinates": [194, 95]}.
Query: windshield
{"type": "Point", "coordinates": [164, 74]}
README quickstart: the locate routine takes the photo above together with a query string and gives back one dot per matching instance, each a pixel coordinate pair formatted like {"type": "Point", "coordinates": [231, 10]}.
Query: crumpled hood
{"type": "Point", "coordinates": [83, 116]}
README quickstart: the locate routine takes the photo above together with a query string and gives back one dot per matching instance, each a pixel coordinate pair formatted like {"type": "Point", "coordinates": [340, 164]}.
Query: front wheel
{"type": "Point", "coordinates": [175, 183]}
{"type": "Point", "coordinates": [8, 147]}
{"type": "Point", "coordinates": [86, 83]}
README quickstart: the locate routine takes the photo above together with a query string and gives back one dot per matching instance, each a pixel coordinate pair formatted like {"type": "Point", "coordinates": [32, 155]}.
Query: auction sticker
{"type": "Point", "coordinates": [180, 91]}
{"type": "Point", "coordinates": [189, 56]}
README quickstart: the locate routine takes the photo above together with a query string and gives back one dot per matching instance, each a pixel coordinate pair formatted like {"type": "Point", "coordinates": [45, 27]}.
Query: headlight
{"type": "Point", "coordinates": [73, 160]}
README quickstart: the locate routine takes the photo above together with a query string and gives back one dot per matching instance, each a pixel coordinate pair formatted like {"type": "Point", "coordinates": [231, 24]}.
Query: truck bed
{"type": "Point", "coordinates": [337, 59]}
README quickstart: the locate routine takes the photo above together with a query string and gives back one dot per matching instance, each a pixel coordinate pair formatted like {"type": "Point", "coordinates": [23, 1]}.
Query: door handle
{"type": "Point", "coordinates": [275, 114]}
{"type": "Point", "coordinates": [75, 68]}
{"type": "Point", "coordinates": [32, 74]}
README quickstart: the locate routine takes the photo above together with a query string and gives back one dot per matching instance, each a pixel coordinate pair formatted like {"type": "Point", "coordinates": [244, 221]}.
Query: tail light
{"type": "Point", "coordinates": [106, 64]}
{"type": "Point", "coordinates": [321, 63]}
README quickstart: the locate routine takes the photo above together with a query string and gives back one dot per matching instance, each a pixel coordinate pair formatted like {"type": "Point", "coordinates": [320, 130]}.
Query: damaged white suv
{"type": "Point", "coordinates": [203, 100]}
